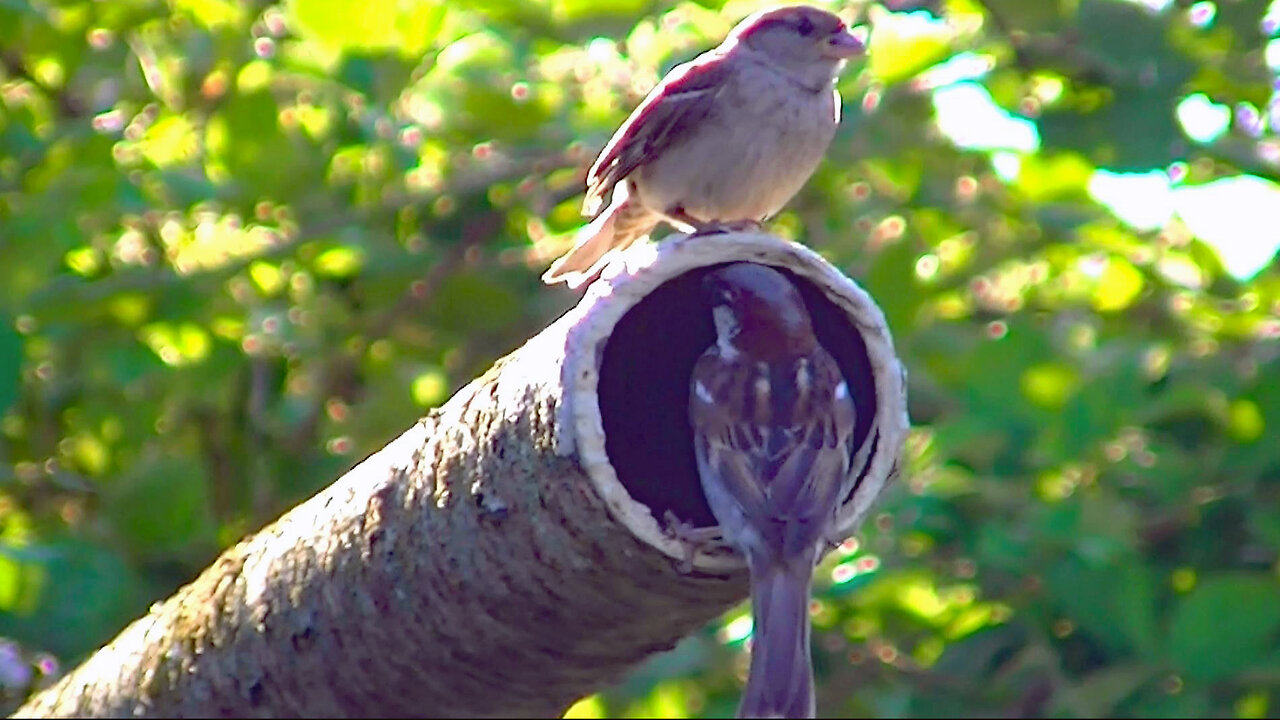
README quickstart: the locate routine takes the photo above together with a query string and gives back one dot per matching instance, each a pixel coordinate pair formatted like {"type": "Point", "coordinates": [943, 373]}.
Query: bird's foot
{"type": "Point", "coordinates": [718, 227]}
{"type": "Point", "coordinates": [694, 539]}
{"type": "Point", "coordinates": [711, 228]}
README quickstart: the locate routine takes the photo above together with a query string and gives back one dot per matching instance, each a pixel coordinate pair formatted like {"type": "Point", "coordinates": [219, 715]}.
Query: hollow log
{"type": "Point", "coordinates": [509, 553]}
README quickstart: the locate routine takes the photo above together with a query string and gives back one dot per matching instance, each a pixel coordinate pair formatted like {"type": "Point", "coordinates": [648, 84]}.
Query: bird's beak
{"type": "Point", "coordinates": [846, 44]}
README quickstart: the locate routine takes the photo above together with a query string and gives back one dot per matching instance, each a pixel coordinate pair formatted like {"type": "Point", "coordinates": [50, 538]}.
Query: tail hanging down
{"type": "Point", "coordinates": [615, 229]}
{"type": "Point", "coordinates": [780, 681]}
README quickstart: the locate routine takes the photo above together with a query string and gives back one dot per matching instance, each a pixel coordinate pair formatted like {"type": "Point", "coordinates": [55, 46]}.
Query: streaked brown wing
{"type": "Point", "coordinates": [795, 487]}
{"type": "Point", "coordinates": [737, 471]}
{"type": "Point", "coordinates": [682, 99]}
{"type": "Point", "coordinates": [808, 483]}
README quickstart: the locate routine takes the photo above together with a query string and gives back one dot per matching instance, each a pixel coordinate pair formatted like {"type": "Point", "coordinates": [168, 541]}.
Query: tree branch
{"type": "Point", "coordinates": [502, 556]}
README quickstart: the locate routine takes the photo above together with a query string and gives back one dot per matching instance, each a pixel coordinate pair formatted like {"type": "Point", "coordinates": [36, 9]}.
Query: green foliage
{"type": "Point", "coordinates": [244, 244]}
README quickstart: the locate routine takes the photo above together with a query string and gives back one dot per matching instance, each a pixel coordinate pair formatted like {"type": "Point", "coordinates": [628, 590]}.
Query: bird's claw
{"type": "Point", "coordinates": [694, 539]}
{"type": "Point", "coordinates": [718, 227]}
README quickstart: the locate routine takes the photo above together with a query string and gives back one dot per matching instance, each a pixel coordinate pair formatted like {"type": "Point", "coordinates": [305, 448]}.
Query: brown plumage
{"type": "Point", "coordinates": [729, 137]}
{"type": "Point", "coordinates": [773, 425]}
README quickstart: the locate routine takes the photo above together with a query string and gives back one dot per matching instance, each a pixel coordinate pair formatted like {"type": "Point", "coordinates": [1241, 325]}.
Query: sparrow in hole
{"type": "Point", "coordinates": [773, 425]}
{"type": "Point", "coordinates": [723, 142]}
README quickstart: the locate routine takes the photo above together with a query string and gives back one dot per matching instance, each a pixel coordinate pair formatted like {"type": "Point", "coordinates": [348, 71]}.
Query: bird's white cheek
{"type": "Point", "coordinates": [726, 331]}
{"type": "Point", "coordinates": [842, 391]}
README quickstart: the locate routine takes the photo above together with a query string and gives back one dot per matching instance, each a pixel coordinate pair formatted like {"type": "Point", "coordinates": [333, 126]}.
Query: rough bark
{"type": "Point", "coordinates": [507, 555]}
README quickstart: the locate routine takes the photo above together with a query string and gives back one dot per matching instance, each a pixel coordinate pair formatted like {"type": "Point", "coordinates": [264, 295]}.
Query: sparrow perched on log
{"type": "Point", "coordinates": [773, 425]}
{"type": "Point", "coordinates": [724, 140]}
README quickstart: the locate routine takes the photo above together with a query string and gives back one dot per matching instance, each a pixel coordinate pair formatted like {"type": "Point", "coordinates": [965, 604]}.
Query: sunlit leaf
{"type": "Point", "coordinates": [1049, 385]}
{"type": "Point", "coordinates": [588, 708]}
{"type": "Point", "coordinates": [1118, 286]}
{"type": "Point", "coordinates": [404, 26]}
{"type": "Point", "coordinates": [177, 345]}
{"type": "Point", "coordinates": [213, 13]}
{"type": "Point", "coordinates": [172, 140]}
{"type": "Point", "coordinates": [903, 44]}
{"type": "Point", "coordinates": [1056, 176]}
{"type": "Point", "coordinates": [339, 262]}
{"type": "Point", "coordinates": [430, 388]}
{"type": "Point", "coordinates": [1245, 421]}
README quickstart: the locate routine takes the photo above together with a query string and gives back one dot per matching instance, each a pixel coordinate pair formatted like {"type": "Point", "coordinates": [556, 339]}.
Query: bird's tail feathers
{"type": "Point", "coordinates": [615, 229]}
{"type": "Point", "coordinates": [780, 681]}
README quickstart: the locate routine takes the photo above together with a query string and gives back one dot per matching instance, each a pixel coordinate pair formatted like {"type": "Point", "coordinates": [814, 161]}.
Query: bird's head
{"type": "Point", "coordinates": [801, 38]}
{"type": "Point", "coordinates": [758, 312]}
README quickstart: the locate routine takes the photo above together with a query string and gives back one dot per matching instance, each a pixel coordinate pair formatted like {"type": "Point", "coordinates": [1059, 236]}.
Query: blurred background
{"type": "Point", "coordinates": [244, 244]}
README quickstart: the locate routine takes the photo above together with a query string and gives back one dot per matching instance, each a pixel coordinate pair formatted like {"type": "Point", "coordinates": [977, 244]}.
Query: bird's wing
{"type": "Point", "coordinates": [683, 98]}
{"type": "Point", "coordinates": [786, 477]}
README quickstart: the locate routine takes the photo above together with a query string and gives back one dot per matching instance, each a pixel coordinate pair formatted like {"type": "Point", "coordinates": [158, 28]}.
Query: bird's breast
{"type": "Point", "coordinates": [757, 146]}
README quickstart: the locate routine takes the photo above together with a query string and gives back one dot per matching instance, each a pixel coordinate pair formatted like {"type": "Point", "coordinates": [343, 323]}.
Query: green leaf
{"type": "Point", "coordinates": [470, 302]}
{"type": "Point", "coordinates": [10, 362]}
{"type": "Point", "coordinates": [1265, 524]}
{"type": "Point", "coordinates": [251, 153]}
{"type": "Point", "coordinates": [1128, 80]}
{"type": "Point", "coordinates": [1225, 624]}
{"type": "Point", "coordinates": [163, 504]}
{"type": "Point", "coordinates": [1114, 603]}
{"type": "Point", "coordinates": [1099, 692]}
{"type": "Point", "coordinates": [88, 594]}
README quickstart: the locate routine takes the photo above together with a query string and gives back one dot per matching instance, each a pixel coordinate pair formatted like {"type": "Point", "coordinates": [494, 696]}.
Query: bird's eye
{"type": "Point", "coordinates": [805, 26]}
